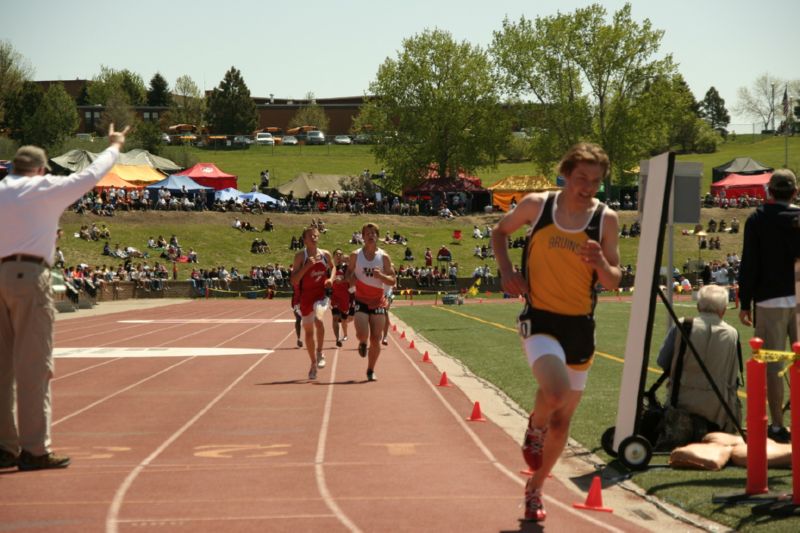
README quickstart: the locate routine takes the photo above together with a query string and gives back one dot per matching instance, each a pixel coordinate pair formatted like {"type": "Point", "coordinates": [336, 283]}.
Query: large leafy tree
{"type": "Point", "coordinates": [589, 76]}
{"type": "Point", "coordinates": [53, 121]}
{"type": "Point", "coordinates": [310, 115]}
{"type": "Point", "coordinates": [111, 83]}
{"type": "Point", "coordinates": [761, 102]}
{"type": "Point", "coordinates": [231, 110]}
{"type": "Point", "coordinates": [712, 108]}
{"type": "Point", "coordinates": [20, 105]}
{"type": "Point", "coordinates": [14, 72]}
{"type": "Point", "coordinates": [158, 93]}
{"type": "Point", "coordinates": [188, 104]}
{"type": "Point", "coordinates": [436, 102]}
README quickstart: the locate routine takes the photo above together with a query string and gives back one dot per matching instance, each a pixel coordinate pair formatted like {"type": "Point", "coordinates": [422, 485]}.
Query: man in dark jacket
{"type": "Point", "coordinates": [766, 282]}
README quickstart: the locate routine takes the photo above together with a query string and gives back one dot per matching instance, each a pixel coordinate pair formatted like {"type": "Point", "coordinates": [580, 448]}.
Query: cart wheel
{"type": "Point", "coordinates": [635, 452]}
{"type": "Point", "coordinates": [607, 441]}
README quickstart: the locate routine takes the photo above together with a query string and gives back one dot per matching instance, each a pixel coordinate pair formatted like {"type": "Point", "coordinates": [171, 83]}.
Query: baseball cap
{"type": "Point", "coordinates": [783, 179]}
{"type": "Point", "coordinates": [30, 158]}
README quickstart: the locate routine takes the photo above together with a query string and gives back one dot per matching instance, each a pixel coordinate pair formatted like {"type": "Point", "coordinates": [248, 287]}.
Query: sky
{"type": "Point", "coordinates": [334, 47]}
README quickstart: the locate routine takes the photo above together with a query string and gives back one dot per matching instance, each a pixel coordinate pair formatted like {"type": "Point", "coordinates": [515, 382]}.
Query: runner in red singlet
{"type": "Point", "coordinates": [312, 272]}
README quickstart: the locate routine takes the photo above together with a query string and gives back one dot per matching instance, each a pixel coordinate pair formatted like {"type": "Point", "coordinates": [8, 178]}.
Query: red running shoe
{"type": "Point", "coordinates": [533, 447]}
{"type": "Point", "coordinates": [534, 508]}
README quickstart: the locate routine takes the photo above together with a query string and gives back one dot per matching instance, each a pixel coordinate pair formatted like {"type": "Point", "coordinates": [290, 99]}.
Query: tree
{"type": "Point", "coordinates": [116, 83]}
{"type": "Point", "coordinates": [20, 105]}
{"type": "Point", "coordinates": [14, 72]}
{"type": "Point", "coordinates": [231, 110]}
{"type": "Point", "coordinates": [116, 111]}
{"type": "Point", "coordinates": [436, 102]}
{"type": "Point", "coordinates": [146, 135]}
{"type": "Point", "coordinates": [54, 120]}
{"type": "Point", "coordinates": [158, 93]}
{"type": "Point", "coordinates": [712, 108]}
{"type": "Point", "coordinates": [589, 77]}
{"type": "Point", "coordinates": [310, 115]}
{"type": "Point", "coordinates": [762, 102]}
{"type": "Point", "coordinates": [188, 105]}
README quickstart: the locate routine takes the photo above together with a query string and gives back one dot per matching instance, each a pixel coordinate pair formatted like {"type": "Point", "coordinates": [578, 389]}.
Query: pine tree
{"type": "Point", "coordinates": [712, 108]}
{"type": "Point", "coordinates": [231, 110]}
{"type": "Point", "coordinates": [158, 93]}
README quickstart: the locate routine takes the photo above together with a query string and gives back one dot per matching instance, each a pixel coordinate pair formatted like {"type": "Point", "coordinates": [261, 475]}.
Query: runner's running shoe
{"type": "Point", "coordinates": [385, 341]}
{"type": "Point", "coordinates": [299, 343]}
{"type": "Point", "coordinates": [534, 508]}
{"type": "Point", "coordinates": [344, 338]}
{"type": "Point", "coordinates": [312, 374]}
{"type": "Point", "coordinates": [533, 446]}
{"type": "Point", "coordinates": [320, 360]}
{"type": "Point", "coordinates": [371, 376]}
{"type": "Point", "coordinates": [362, 349]}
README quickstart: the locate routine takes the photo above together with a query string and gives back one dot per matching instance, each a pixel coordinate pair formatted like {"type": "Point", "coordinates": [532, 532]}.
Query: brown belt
{"type": "Point", "coordinates": [24, 257]}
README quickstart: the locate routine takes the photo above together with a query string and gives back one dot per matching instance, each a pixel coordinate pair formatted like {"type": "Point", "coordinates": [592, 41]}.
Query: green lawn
{"type": "Point", "coordinates": [483, 337]}
{"type": "Point", "coordinates": [217, 243]}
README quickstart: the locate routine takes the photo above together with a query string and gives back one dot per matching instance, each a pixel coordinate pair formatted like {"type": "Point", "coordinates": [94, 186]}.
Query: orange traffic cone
{"type": "Point", "coordinates": [403, 335]}
{"type": "Point", "coordinates": [426, 358]}
{"type": "Point", "coordinates": [594, 500]}
{"type": "Point", "coordinates": [394, 327]}
{"type": "Point", "coordinates": [476, 415]}
{"type": "Point", "coordinates": [411, 346]}
{"type": "Point", "coordinates": [443, 382]}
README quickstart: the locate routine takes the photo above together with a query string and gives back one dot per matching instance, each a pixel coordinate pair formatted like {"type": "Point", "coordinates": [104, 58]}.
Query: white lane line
{"type": "Point", "coordinates": [117, 393]}
{"type": "Point", "coordinates": [320, 457]}
{"type": "Point", "coordinates": [84, 369]}
{"type": "Point", "coordinates": [167, 351]}
{"type": "Point", "coordinates": [129, 387]}
{"type": "Point", "coordinates": [112, 524]}
{"type": "Point", "coordinates": [135, 328]}
{"type": "Point", "coordinates": [207, 321]}
{"type": "Point", "coordinates": [489, 455]}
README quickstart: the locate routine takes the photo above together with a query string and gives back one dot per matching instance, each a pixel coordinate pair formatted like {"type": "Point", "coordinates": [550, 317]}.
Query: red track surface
{"type": "Point", "coordinates": [247, 443]}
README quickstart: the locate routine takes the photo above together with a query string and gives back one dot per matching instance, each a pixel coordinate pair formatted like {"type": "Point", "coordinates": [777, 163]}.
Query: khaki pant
{"type": "Point", "coordinates": [26, 357]}
{"type": "Point", "coordinates": [776, 325]}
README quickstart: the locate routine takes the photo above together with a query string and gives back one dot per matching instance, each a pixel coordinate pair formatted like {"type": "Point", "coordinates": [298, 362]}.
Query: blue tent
{"type": "Point", "coordinates": [229, 193]}
{"type": "Point", "coordinates": [261, 197]}
{"type": "Point", "coordinates": [176, 183]}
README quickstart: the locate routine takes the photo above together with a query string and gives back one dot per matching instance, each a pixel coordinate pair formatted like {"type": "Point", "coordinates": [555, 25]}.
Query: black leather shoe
{"type": "Point", "coordinates": [8, 459]}
{"type": "Point", "coordinates": [28, 461]}
{"type": "Point", "coordinates": [781, 435]}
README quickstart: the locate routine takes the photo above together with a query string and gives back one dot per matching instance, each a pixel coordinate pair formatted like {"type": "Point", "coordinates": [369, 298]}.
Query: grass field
{"type": "Point", "coordinates": [211, 235]}
{"type": "Point", "coordinates": [483, 337]}
{"type": "Point", "coordinates": [285, 162]}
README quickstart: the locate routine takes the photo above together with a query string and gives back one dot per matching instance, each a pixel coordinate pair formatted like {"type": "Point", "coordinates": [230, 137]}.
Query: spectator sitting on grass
{"type": "Point", "coordinates": [409, 255]}
{"type": "Point", "coordinates": [237, 224]}
{"type": "Point", "coordinates": [106, 249]}
{"type": "Point", "coordinates": [476, 233]}
{"type": "Point", "coordinates": [192, 255]}
{"type": "Point", "coordinates": [161, 243]}
{"type": "Point", "coordinates": [151, 242]}
{"type": "Point", "coordinates": [268, 226]}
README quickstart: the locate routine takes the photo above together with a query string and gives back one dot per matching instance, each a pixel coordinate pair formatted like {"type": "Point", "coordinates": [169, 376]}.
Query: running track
{"type": "Point", "coordinates": [244, 442]}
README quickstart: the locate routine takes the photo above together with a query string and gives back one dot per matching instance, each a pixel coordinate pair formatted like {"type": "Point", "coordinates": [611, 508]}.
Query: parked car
{"type": "Point", "coordinates": [290, 140]}
{"type": "Point", "coordinates": [242, 140]}
{"type": "Point", "coordinates": [265, 138]}
{"type": "Point", "coordinates": [342, 139]}
{"type": "Point", "coordinates": [315, 137]}
{"type": "Point", "coordinates": [363, 138]}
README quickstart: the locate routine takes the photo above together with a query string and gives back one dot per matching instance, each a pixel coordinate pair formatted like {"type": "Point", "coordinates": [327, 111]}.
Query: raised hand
{"type": "Point", "coordinates": [117, 137]}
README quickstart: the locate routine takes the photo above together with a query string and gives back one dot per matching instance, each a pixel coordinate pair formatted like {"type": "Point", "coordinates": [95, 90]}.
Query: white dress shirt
{"type": "Point", "coordinates": [31, 206]}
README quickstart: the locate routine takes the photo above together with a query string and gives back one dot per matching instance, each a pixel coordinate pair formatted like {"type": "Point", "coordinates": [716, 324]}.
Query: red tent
{"type": "Point", "coordinates": [736, 185]}
{"type": "Point", "coordinates": [208, 175]}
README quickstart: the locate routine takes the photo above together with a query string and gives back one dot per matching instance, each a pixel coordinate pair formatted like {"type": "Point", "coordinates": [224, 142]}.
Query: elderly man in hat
{"type": "Point", "coordinates": [31, 200]}
{"type": "Point", "coordinates": [766, 282]}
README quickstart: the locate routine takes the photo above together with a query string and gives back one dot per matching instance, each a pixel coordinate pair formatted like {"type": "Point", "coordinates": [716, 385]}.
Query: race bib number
{"type": "Point", "coordinates": [524, 326]}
